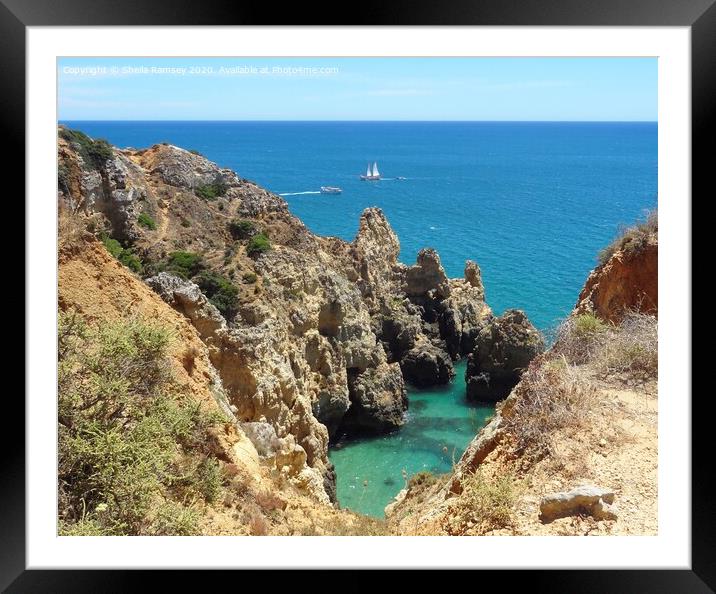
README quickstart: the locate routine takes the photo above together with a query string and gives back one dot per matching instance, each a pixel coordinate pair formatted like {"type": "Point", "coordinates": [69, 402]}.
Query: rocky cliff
{"type": "Point", "coordinates": [627, 281]}
{"type": "Point", "coordinates": [265, 486]}
{"type": "Point", "coordinates": [310, 337]}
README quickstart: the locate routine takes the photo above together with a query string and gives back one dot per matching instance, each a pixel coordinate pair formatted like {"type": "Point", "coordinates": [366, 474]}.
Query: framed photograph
{"type": "Point", "coordinates": [394, 286]}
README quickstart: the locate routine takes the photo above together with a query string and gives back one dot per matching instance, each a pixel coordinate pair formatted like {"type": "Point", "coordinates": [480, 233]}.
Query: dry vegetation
{"type": "Point", "coordinates": [628, 351]}
{"type": "Point", "coordinates": [485, 504]}
{"type": "Point", "coordinates": [559, 389]}
{"type": "Point", "coordinates": [634, 238]}
{"type": "Point", "coordinates": [552, 395]}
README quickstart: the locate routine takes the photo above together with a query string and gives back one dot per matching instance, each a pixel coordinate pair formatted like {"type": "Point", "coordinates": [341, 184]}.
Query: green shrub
{"type": "Point", "coordinates": [209, 479]}
{"type": "Point", "coordinates": [95, 153]}
{"type": "Point", "coordinates": [184, 264]}
{"type": "Point", "coordinates": [195, 152]}
{"type": "Point", "coordinates": [145, 220]}
{"type": "Point", "coordinates": [588, 324]}
{"type": "Point", "coordinates": [211, 191]}
{"type": "Point", "coordinates": [174, 519]}
{"type": "Point", "coordinates": [131, 261]}
{"type": "Point", "coordinates": [113, 246]}
{"type": "Point", "coordinates": [63, 177]}
{"type": "Point", "coordinates": [249, 278]}
{"type": "Point", "coordinates": [258, 245]}
{"type": "Point", "coordinates": [241, 229]}
{"type": "Point", "coordinates": [123, 441]}
{"type": "Point", "coordinates": [220, 291]}
{"type": "Point", "coordinates": [124, 255]}
{"type": "Point", "coordinates": [185, 223]}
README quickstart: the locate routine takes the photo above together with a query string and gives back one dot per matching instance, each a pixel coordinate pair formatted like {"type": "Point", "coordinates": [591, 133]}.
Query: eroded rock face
{"type": "Point", "coordinates": [462, 316]}
{"type": "Point", "coordinates": [427, 365]}
{"type": "Point", "coordinates": [627, 281]}
{"type": "Point", "coordinates": [187, 298]}
{"type": "Point", "coordinates": [378, 399]}
{"type": "Point", "coordinates": [474, 278]}
{"type": "Point", "coordinates": [116, 190]}
{"type": "Point", "coordinates": [504, 349]}
{"type": "Point", "coordinates": [181, 168]}
{"type": "Point", "coordinates": [323, 327]}
{"type": "Point", "coordinates": [399, 326]}
{"type": "Point", "coordinates": [375, 255]}
{"type": "Point", "coordinates": [426, 280]}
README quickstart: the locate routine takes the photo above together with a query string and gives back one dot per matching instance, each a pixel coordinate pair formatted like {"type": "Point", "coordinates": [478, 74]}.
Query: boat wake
{"type": "Point", "coordinates": [297, 193]}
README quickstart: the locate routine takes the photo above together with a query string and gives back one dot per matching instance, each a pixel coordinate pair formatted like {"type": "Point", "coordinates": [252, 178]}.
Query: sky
{"type": "Point", "coordinates": [484, 89]}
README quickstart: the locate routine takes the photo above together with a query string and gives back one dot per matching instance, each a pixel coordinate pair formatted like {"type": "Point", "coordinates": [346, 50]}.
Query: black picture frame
{"type": "Point", "coordinates": [699, 15]}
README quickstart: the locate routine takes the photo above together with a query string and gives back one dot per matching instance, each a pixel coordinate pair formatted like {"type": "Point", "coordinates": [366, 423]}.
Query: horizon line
{"type": "Point", "coordinates": [381, 121]}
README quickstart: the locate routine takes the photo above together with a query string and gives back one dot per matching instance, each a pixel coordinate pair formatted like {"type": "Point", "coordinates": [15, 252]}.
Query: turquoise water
{"type": "Point", "coordinates": [440, 425]}
{"type": "Point", "coordinates": [531, 202]}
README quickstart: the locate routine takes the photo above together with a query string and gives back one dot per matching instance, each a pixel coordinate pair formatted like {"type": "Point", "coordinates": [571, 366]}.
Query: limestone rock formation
{"type": "Point", "coordinates": [629, 280]}
{"type": "Point", "coordinates": [116, 190]}
{"type": "Point", "coordinates": [426, 365]}
{"type": "Point", "coordinates": [594, 501]}
{"type": "Point", "coordinates": [399, 326]}
{"type": "Point", "coordinates": [375, 254]}
{"type": "Point", "coordinates": [100, 289]}
{"type": "Point", "coordinates": [504, 349]}
{"type": "Point", "coordinates": [464, 313]}
{"type": "Point", "coordinates": [188, 299]}
{"type": "Point", "coordinates": [378, 399]}
{"type": "Point", "coordinates": [473, 276]}
{"type": "Point", "coordinates": [426, 280]}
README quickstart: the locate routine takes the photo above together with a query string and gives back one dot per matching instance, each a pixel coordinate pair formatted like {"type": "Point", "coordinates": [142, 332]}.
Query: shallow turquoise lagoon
{"type": "Point", "coordinates": [439, 427]}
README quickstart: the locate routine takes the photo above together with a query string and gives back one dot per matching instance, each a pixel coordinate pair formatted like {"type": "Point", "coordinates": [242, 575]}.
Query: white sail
{"type": "Point", "coordinates": [375, 170]}
{"type": "Point", "coordinates": [368, 171]}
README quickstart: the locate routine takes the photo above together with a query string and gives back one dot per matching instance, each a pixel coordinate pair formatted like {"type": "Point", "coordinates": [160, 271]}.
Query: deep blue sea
{"type": "Point", "coordinates": [532, 203]}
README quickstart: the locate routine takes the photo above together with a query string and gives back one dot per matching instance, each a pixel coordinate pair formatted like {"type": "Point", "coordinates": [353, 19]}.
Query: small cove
{"type": "Point", "coordinates": [439, 426]}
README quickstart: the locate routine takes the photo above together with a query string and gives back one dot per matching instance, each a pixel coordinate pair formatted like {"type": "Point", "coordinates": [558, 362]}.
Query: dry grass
{"type": "Point", "coordinates": [345, 524]}
{"type": "Point", "coordinates": [629, 350]}
{"type": "Point", "coordinates": [632, 349]}
{"type": "Point", "coordinates": [258, 526]}
{"type": "Point", "coordinates": [485, 504]}
{"type": "Point", "coordinates": [269, 501]}
{"type": "Point", "coordinates": [581, 337]}
{"type": "Point", "coordinates": [552, 395]}
{"type": "Point", "coordinates": [557, 391]}
{"type": "Point", "coordinates": [361, 526]}
{"type": "Point", "coordinates": [73, 227]}
{"type": "Point", "coordinates": [633, 239]}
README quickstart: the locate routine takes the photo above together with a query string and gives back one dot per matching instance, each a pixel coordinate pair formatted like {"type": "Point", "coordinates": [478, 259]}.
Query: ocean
{"type": "Point", "coordinates": [532, 203]}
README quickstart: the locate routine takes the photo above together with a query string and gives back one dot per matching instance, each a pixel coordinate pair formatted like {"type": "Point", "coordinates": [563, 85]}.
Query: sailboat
{"type": "Point", "coordinates": [371, 174]}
